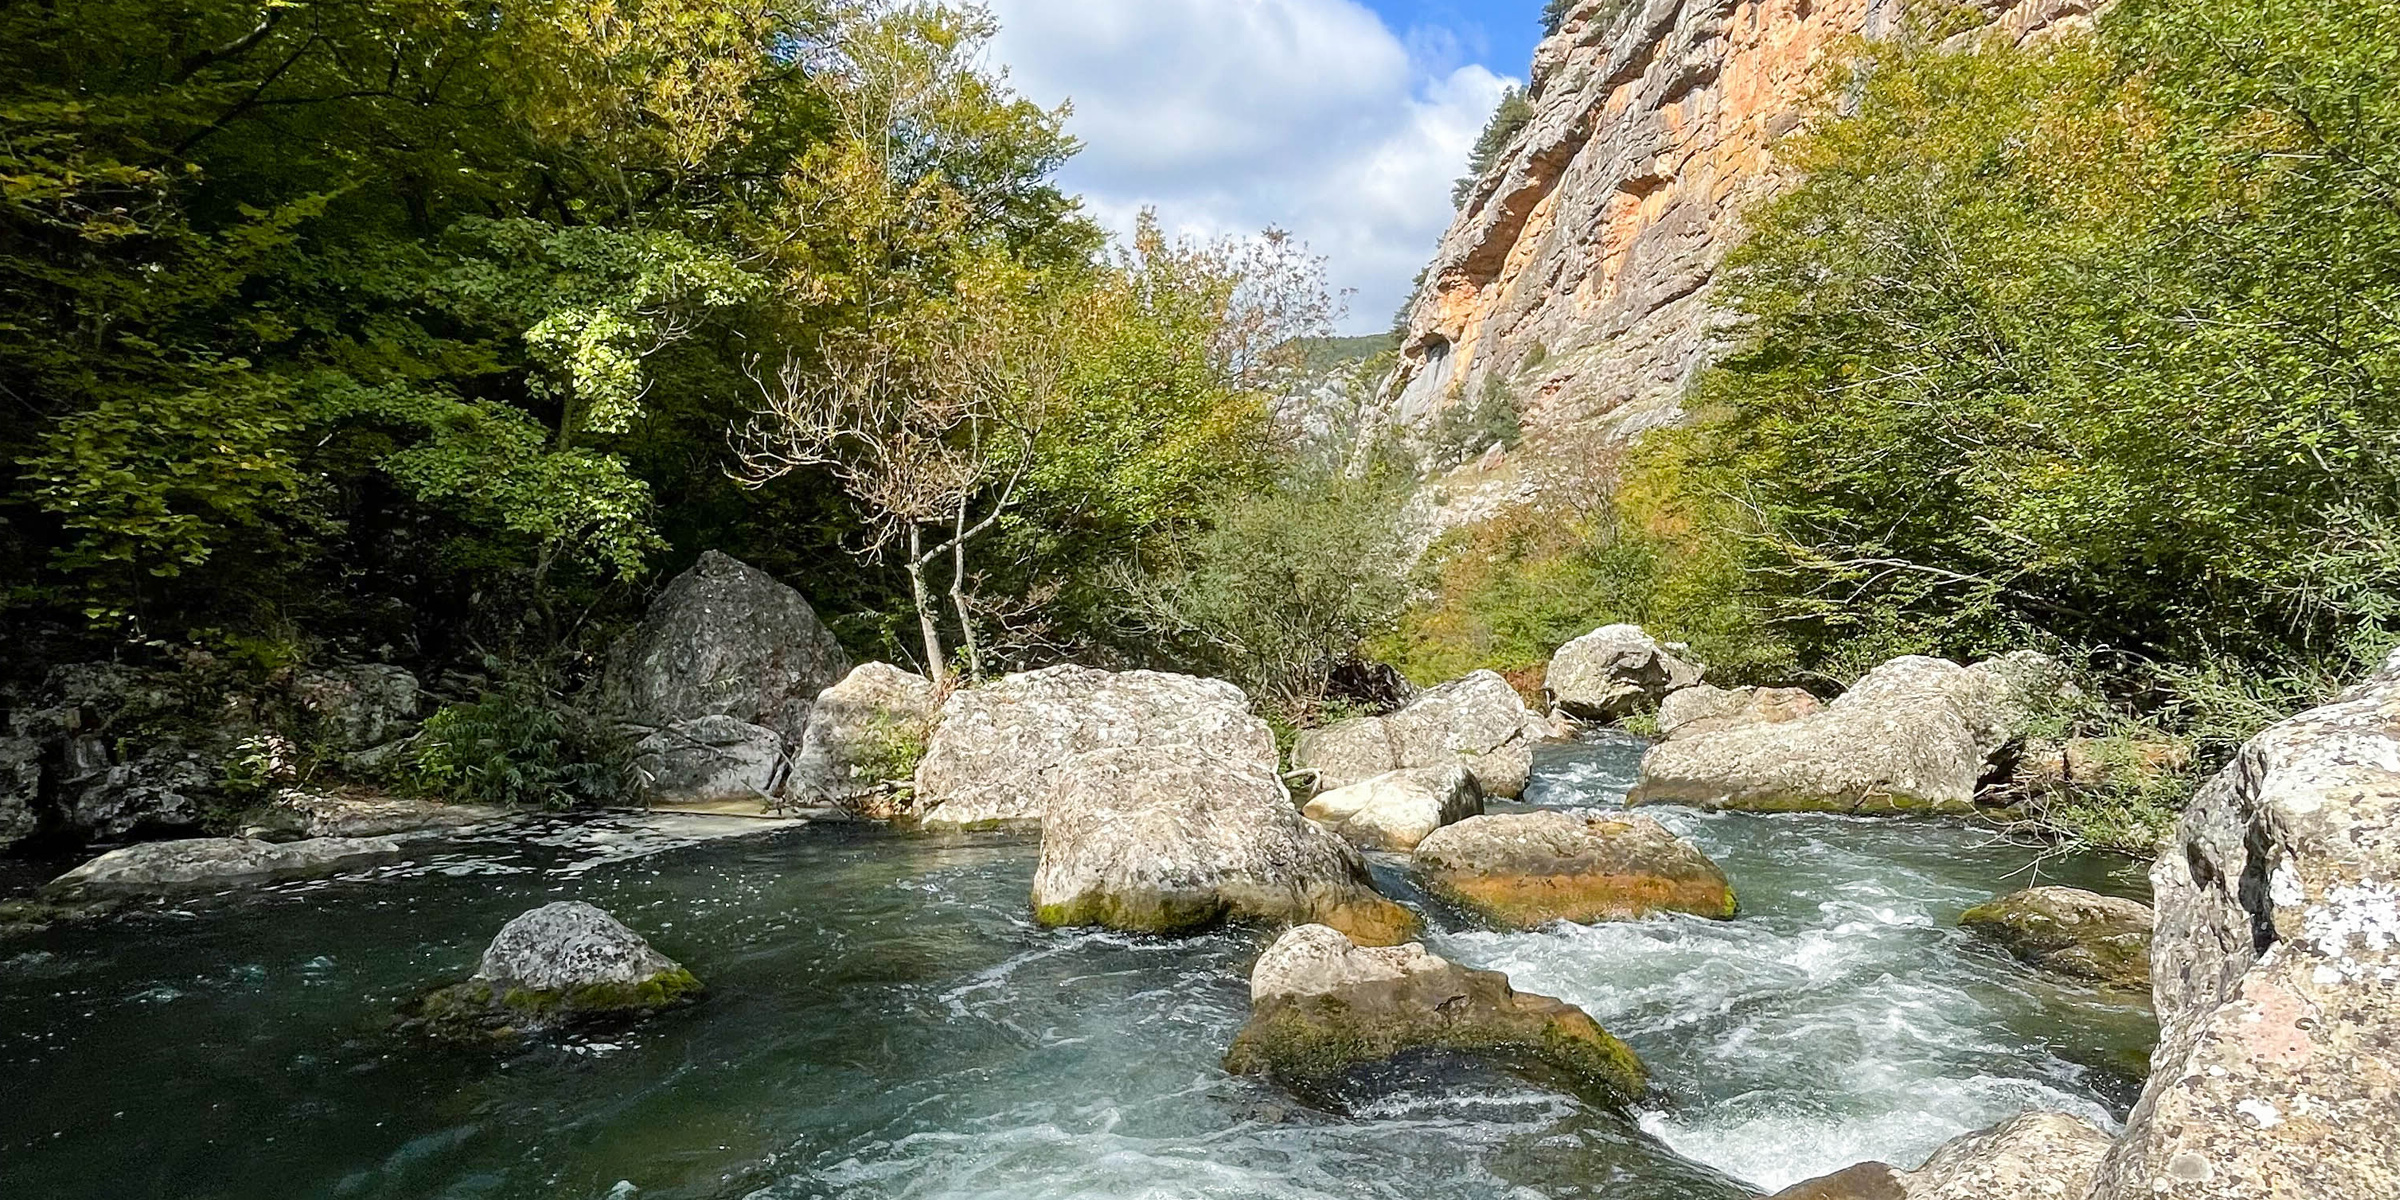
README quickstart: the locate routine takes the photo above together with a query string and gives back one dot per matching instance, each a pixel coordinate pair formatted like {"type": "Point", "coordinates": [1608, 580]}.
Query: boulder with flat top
{"type": "Point", "coordinates": [1321, 1005]}
{"type": "Point", "coordinates": [1521, 870]}
{"type": "Point", "coordinates": [994, 748]}
{"type": "Point", "coordinates": [1174, 839]}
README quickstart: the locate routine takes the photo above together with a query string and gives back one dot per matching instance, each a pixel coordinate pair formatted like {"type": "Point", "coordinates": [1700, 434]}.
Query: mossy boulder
{"type": "Point", "coordinates": [2072, 932]}
{"type": "Point", "coordinates": [1175, 839]}
{"type": "Point", "coordinates": [559, 964]}
{"type": "Point", "coordinates": [1322, 1005]}
{"type": "Point", "coordinates": [1520, 870]}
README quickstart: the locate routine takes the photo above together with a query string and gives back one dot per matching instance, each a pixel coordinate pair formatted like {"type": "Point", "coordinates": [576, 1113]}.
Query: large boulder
{"type": "Point", "coordinates": [1520, 870]}
{"type": "Point", "coordinates": [865, 737]}
{"type": "Point", "coordinates": [164, 788]}
{"type": "Point", "coordinates": [724, 640]}
{"type": "Point", "coordinates": [2071, 931]}
{"type": "Point", "coordinates": [212, 864]}
{"type": "Point", "coordinates": [2275, 972]}
{"type": "Point", "coordinates": [360, 706]}
{"type": "Point", "coordinates": [710, 760]}
{"type": "Point", "coordinates": [1396, 811]}
{"type": "Point", "coordinates": [994, 748]}
{"type": "Point", "coordinates": [1321, 1004]}
{"type": "Point", "coordinates": [556, 964]}
{"type": "Point", "coordinates": [1696, 711]}
{"type": "Point", "coordinates": [1916, 735]}
{"type": "Point", "coordinates": [2032, 1156]}
{"type": "Point", "coordinates": [1169, 839]}
{"type": "Point", "coordinates": [1479, 720]}
{"type": "Point", "coordinates": [1613, 672]}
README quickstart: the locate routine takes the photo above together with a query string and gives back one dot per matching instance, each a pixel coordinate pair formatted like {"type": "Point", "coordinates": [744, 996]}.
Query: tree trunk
{"type": "Point", "coordinates": [958, 599]}
{"type": "Point", "coordinates": [937, 667]}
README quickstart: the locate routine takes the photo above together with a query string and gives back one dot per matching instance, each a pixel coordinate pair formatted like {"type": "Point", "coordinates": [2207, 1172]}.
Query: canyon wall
{"type": "Point", "coordinates": [1577, 275]}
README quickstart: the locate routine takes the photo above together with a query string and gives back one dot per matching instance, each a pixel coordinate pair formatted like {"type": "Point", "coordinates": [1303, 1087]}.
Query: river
{"type": "Point", "coordinates": [885, 1020]}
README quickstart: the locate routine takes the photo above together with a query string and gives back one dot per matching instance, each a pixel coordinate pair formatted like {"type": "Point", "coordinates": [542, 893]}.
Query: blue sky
{"type": "Point", "coordinates": [1343, 121]}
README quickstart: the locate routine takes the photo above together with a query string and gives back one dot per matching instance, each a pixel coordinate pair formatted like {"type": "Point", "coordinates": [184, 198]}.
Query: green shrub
{"type": "Point", "coordinates": [519, 747]}
{"type": "Point", "coordinates": [1282, 588]}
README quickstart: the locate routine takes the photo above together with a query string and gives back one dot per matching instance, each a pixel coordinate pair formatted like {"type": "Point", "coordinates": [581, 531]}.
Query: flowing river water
{"type": "Point", "coordinates": [885, 1020]}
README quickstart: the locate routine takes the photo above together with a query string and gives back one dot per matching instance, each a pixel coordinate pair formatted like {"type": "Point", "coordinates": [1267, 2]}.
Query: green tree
{"type": "Point", "coordinates": [2086, 342]}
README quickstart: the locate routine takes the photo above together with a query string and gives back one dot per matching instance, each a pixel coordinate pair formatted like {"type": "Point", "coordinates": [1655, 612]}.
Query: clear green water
{"type": "Point", "coordinates": [886, 1022]}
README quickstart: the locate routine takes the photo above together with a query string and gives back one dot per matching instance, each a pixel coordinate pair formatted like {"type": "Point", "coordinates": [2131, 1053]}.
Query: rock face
{"type": "Point", "coordinates": [1613, 672]}
{"type": "Point", "coordinates": [1578, 274]}
{"type": "Point", "coordinates": [724, 640]}
{"type": "Point", "coordinates": [360, 706]}
{"type": "Point", "coordinates": [1479, 720]}
{"type": "Point", "coordinates": [864, 733]}
{"type": "Point", "coordinates": [1174, 839]}
{"type": "Point", "coordinates": [1916, 735]}
{"type": "Point", "coordinates": [1702, 710]}
{"type": "Point", "coordinates": [1396, 811]}
{"type": "Point", "coordinates": [1520, 870]}
{"type": "Point", "coordinates": [995, 747]}
{"type": "Point", "coordinates": [711, 760]}
{"type": "Point", "coordinates": [556, 964]}
{"type": "Point", "coordinates": [2070, 931]}
{"type": "Point", "coordinates": [2276, 972]}
{"type": "Point", "coordinates": [2035, 1156]}
{"type": "Point", "coordinates": [209, 864]}
{"type": "Point", "coordinates": [1320, 1005]}
{"type": "Point", "coordinates": [20, 790]}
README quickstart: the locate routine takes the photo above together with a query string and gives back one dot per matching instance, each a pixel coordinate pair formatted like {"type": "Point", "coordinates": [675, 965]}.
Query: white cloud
{"type": "Point", "coordinates": [1231, 115]}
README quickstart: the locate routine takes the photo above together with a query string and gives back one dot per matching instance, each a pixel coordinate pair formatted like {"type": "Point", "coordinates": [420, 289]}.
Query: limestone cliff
{"type": "Point", "coordinates": [1577, 275]}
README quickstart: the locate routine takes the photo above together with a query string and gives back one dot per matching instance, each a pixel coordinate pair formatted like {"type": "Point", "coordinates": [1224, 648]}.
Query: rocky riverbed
{"type": "Point", "coordinates": [885, 1018]}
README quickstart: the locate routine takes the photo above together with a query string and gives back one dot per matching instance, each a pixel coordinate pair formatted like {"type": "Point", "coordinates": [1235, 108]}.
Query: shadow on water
{"type": "Point", "coordinates": [884, 1020]}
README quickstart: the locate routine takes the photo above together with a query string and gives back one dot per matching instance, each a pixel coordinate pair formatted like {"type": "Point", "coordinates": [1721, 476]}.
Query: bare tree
{"type": "Point", "coordinates": [932, 442]}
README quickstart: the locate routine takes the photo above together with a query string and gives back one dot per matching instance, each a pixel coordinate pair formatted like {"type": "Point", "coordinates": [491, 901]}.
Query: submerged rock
{"type": "Point", "coordinates": [1695, 711]}
{"type": "Point", "coordinates": [206, 864]}
{"type": "Point", "coordinates": [1916, 735]}
{"type": "Point", "coordinates": [709, 760]}
{"type": "Point", "coordinates": [865, 737]}
{"type": "Point", "coordinates": [2276, 971]}
{"type": "Point", "coordinates": [558, 964]}
{"type": "Point", "coordinates": [995, 747]}
{"type": "Point", "coordinates": [1479, 720]}
{"type": "Point", "coordinates": [1396, 811]}
{"type": "Point", "coordinates": [1175, 839]}
{"type": "Point", "coordinates": [1320, 1005]}
{"type": "Point", "coordinates": [2033, 1156]}
{"type": "Point", "coordinates": [1520, 870]}
{"type": "Point", "coordinates": [2072, 932]}
{"type": "Point", "coordinates": [724, 639]}
{"type": "Point", "coordinates": [1613, 672]}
